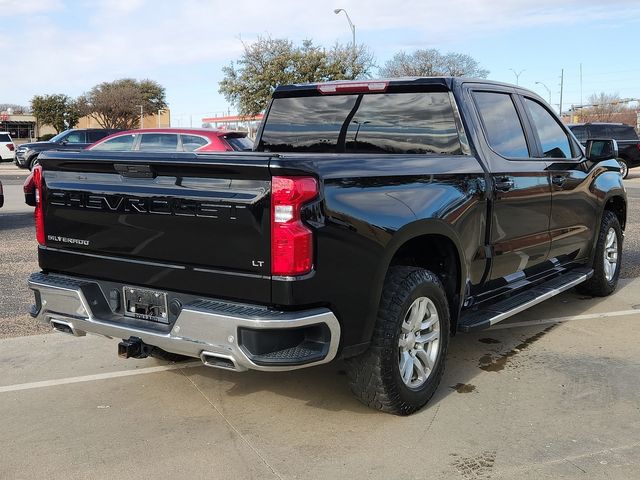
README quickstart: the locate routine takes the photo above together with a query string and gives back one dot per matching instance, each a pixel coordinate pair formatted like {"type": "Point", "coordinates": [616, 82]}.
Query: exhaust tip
{"type": "Point", "coordinates": [65, 327]}
{"type": "Point", "coordinates": [219, 361]}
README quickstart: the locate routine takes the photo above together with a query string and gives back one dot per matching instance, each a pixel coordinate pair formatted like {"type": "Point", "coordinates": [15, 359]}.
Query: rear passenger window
{"type": "Point", "coordinates": [192, 142]}
{"type": "Point", "coordinates": [95, 136]}
{"type": "Point", "coordinates": [554, 140]}
{"type": "Point", "coordinates": [121, 143]}
{"type": "Point", "coordinates": [159, 142]}
{"type": "Point", "coordinates": [581, 133]}
{"type": "Point", "coordinates": [502, 124]}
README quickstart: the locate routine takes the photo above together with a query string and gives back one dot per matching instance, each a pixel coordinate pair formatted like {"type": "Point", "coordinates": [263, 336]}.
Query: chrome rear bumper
{"type": "Point", "coordinates": [206, 328]}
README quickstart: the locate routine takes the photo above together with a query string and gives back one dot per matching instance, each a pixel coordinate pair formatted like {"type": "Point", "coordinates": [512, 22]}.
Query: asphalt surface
{"type": "Point", "coordinates": [551, 393]}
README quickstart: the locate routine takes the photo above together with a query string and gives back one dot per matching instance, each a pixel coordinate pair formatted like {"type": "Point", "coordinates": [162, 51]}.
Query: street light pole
{"type": "Point", "coordinates": [546, 88]}
{"type": "Point", "coordinates": [351, 26]}
{"type": "Point", "coordinates": [141, 116]}
{"type": "Point", "coordinates": [517, 74]}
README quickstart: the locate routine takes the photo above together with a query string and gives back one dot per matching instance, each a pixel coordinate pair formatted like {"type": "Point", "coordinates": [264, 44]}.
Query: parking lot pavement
{"type": "Point", "coordinates": [551, 393]}
{"type": "Point", "coordinates": [542, 401]}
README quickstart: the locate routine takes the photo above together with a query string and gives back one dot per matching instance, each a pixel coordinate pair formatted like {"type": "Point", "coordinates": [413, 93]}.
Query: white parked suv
{"type": "Point", "coordinates": [7, 148]}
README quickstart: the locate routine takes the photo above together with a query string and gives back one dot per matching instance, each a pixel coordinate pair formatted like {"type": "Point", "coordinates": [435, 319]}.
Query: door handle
{"type": "Point", "coordinates": [558, 180]}
{"type": "Point", "coordinates": [504, 184]}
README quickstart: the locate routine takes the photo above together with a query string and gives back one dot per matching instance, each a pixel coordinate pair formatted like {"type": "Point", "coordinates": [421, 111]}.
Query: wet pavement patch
{"type": "Point", "coordinates": [463, 387]}
{"type": "Point", "coordinates": [490, 364]}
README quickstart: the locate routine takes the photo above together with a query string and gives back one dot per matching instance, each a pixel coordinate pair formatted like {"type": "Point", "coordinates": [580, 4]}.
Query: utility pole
{"type": "Point", "coordinates": [561, 89]}
{"type": "Point", "coordinates": [581, 84]}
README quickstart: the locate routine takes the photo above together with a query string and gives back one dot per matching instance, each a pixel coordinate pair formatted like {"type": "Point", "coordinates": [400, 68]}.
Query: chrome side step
{"type": "Point", "coordinates": [489, 315]}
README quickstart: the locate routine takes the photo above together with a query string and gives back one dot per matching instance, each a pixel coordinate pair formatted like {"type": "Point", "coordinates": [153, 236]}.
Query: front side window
{"type": "Point", "coordinates": [76, 137]}
{"type": "Point", "coordinates": [502, 125]}
{"type": "Point", "coordinates": [396, 123]}
{"type": "Point", "coordinates": [553, 139]}
{"type": "Point", "coordinates": [121, 143]}
{"type": "Point", "coordinates": [159, 142]}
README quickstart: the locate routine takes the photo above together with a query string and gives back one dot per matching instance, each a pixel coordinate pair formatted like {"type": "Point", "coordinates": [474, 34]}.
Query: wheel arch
{"type": "Point", "coordinates": [412, 246]}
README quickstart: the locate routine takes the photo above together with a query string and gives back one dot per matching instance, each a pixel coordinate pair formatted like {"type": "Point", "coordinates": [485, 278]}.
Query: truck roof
{"type": "Point", "coordinates": [447, 82]}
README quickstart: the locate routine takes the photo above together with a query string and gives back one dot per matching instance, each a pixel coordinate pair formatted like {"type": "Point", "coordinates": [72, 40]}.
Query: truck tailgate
{"type": "Point", "coordinates": [185, 222]}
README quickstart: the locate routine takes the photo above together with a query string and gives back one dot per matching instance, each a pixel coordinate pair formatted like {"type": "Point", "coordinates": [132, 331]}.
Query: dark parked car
{"type": "Point", "coordinates": [375, 220]}
{"type": "Point", "coordinates": [70, 140]}
{"type": "Point", "coordinates": [625, 135]}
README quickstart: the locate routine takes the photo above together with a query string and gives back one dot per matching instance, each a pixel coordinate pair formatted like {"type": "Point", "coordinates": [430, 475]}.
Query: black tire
{"type": "Point", "coordinates": [624, 167]}
{"type": "Point", "coordinates": [33, 161]}
{"type": "Point", "coordinates": [598, 285]}
{"type": "Point", "coordinates": [374, 376]}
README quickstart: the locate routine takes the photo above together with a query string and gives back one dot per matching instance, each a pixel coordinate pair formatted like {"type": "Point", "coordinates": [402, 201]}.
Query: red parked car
{"type": "Point", "coordinates": [174, 140]}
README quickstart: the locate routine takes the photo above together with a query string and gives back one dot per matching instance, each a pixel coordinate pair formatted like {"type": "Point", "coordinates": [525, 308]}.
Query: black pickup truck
{"type": "Point", "coordinates": [372, 222]}
{"type": "Point", "coordinates": [624, 135]}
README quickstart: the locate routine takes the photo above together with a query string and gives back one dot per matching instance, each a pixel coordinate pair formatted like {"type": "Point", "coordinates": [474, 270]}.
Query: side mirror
{"type": "Point", "coordinates": [598, 150]}
{"type": "Point", "coordinates": [64, 141]}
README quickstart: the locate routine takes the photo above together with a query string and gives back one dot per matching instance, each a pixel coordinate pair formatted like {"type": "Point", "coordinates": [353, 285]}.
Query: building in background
{"type": "Point", "coordinates": [160, 119]}
{"type": "Point", "coordinates": [23, 127]}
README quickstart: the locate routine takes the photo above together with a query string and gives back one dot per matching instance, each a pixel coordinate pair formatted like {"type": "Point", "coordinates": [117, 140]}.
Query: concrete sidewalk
{"type": "Point", "coordinates": [531, 402]}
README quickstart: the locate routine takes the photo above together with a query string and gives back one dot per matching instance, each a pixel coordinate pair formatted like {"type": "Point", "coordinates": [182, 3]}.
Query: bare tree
{"type": "Point", "coordinates": [606, 107]}
{"type": "Point", "coordinates": [431, 63]}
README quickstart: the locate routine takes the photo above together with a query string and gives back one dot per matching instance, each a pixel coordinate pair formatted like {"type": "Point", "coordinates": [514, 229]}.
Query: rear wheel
{"type": "Point", "coordinates": [404, 364]}
{"type": "Point", "coordinates": [607, 260]}
{"type": "Point", "coordinates": [624, 168]}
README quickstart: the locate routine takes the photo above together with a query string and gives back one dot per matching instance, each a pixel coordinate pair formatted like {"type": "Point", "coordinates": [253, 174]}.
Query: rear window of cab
{"type": "Point", "coordinates": [396, 123]}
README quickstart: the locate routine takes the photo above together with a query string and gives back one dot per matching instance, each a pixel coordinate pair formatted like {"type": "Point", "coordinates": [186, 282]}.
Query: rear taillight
{"type": "Point", "coordinates": [39, 211]}
{"type": "Point", "coordinates": [10, 147]}
{"type": "Point", "coordinates": [29, 189]}
{"type": "Point", "coordinates": [291, 240]}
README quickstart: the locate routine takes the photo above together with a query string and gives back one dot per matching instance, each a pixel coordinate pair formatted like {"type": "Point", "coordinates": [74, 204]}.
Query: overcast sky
{"type": "Point", "coordinates": [67, 46]}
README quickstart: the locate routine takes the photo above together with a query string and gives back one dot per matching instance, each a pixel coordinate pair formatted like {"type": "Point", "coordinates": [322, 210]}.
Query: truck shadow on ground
{"type": "Point", "coordinates": [14, 221]}
{"type": "Point", "coordinates": [470, 355]}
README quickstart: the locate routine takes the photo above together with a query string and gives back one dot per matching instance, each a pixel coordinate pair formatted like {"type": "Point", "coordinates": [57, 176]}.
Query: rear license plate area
{"type": "Point", "coordinates": [145, 304]}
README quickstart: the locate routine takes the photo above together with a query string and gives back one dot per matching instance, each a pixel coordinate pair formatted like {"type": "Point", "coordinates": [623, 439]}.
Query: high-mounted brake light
{"type": "Point", "coordinates": [352, 87]}
{"type": "Point", "coordinates": [39, 211]}
{"type": "Point", "coordinates": [291, 240]}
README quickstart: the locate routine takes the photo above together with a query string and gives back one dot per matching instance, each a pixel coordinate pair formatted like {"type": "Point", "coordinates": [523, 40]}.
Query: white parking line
{"type": "Point", "coordinates": [99, 376]}
{"type": "Point", "coordinates": [545, 321]}
{"type": "Point", "coordinates": [164, 368]}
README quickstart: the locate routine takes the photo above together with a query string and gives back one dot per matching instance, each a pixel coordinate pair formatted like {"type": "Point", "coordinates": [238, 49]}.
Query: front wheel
{"type": "Point", "coordinates": [624, 168]}
{"type": "Point", "coordinates": [33, 162]}
{"type": "Point", "coordinates": [607, 260]}
{"type": "Point", "coordinates": [402, 368]}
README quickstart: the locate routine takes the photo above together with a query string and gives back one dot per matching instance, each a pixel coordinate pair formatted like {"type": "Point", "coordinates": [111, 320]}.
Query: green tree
{"type": "Point", "coordinates": [431, 63]}
{"type": "Point", "coordinates": [249, 82]}
{"type": "Point", "coordinates": [117, 104]}
{"type": "Point", "coordinates": [59, 111]}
